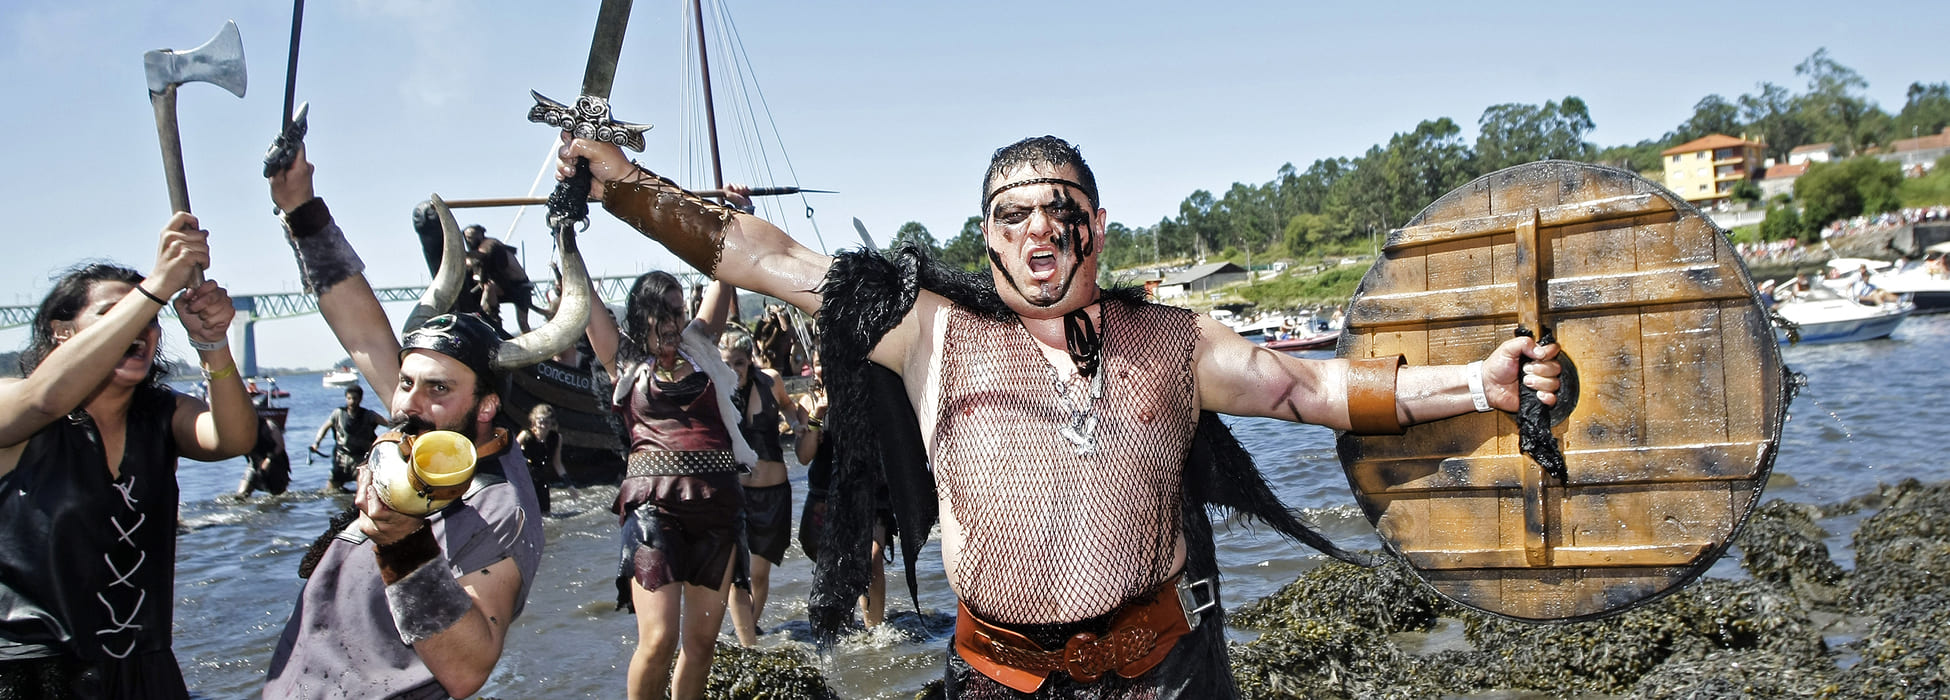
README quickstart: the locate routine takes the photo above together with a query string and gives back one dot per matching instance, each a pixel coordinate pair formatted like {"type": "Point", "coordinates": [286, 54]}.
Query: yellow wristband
{"type": "Point", "coordinates": [222, 374]}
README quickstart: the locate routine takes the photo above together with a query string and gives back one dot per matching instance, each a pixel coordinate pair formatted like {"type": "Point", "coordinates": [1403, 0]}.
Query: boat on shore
{"type": "Point", "coordinates": [1821, 315]}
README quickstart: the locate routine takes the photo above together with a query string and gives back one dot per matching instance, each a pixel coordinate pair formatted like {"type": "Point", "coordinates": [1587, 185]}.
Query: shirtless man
{"type": "Point", "coordinates": [1058, 427]}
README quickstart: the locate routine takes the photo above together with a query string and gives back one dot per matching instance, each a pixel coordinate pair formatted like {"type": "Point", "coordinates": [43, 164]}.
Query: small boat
{"type": "Point", "coordinates": [267, 388]}
{"type": "Point", "coordinates": [340, 376]}
{"type": "Point", "coordinates": [262, 399]}
{"type": "Point", "coordinates": [1823, 316]}
{"type": "Point", "coordinates": [1311, 341]}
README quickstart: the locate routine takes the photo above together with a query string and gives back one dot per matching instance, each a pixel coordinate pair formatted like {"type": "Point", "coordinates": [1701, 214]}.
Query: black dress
{"type": "Point", "coordinates": [87, 563]}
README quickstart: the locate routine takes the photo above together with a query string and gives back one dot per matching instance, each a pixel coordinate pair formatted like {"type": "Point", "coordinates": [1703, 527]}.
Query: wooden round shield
{"type": "Point", "coordinates": [1668, 423]}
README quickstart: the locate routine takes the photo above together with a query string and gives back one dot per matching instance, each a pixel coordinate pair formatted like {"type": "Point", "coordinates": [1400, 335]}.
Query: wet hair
{"type": "Point", "coordinates": [65, 302]}
{"type": "Point", "coordinates": [470, 228]}
{"type": "Point", "coordinates": [735, 338]}
{"type": "Point", "coordinates": [646, 306]}
{"type": "Point", "coordinates": [1042, 151]}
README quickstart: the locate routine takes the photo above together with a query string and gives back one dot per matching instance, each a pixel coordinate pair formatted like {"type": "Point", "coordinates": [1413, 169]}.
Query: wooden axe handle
{"type": "Point", "coordinates": [172, 154]}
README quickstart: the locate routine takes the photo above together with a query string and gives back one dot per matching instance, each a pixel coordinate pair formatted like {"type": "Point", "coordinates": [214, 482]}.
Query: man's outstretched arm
{"type": "Point", "coordinates": [1240, 378]}
{"type": "Point", "coordinates": [334, 272]}
{"type": "Point", "coordinates": [743, 250]}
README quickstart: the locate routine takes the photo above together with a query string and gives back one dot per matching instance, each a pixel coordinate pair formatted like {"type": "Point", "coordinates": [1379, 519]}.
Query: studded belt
{"type": "Point", "coordinates": [1139, 638]}
{"type": "Point", "coordinates": [681, 463]}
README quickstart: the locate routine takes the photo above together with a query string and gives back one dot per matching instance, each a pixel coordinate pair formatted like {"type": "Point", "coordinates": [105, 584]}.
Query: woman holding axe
{"type": "Point", "coordinates": [89, 442]}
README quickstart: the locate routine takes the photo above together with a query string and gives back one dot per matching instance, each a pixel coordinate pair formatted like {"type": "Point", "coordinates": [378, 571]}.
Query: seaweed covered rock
{"type": "Point", "coordinates": [738, 673]}
{"type": "Point", "coordinates": [1326, 658]}
{"type": "Point", "coordinates": [1749, 615]}
{"type": "Point", "coordinates": [1782, 545]}
{"type": "Point", "coordinates": [1605, 656]}
{"type": "Point", "coordinates": [1388, 598]}
{"type": "Point", "coordinates": [1736, 674]}
{"type": "Point", "coordinates": [1903, 551]}
{"type": "Point", "coordinates": [1904, 654]}
{"type": "Point", "coordinates": [1615, 654]}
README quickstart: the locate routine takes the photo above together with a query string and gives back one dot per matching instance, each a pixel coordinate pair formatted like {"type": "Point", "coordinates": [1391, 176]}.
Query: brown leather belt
{"type": "Point", "coordinates": [1139, 639]}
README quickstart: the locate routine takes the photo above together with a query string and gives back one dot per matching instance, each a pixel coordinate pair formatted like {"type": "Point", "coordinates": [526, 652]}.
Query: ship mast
{"type": "Point", "coordinates": [710, 115]}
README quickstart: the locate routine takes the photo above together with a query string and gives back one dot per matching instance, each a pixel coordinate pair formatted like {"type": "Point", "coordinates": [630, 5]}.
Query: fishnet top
{"type": "Point", "coordinates": [1052, 535]}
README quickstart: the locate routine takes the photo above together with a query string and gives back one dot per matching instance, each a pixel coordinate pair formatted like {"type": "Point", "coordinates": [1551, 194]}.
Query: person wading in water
{"type": "Point", "coordinates": [89, 441]}
{"type": "Point", "coordinates": [1059, 421]}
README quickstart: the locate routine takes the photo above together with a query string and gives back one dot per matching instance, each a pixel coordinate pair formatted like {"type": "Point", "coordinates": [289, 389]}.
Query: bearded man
{"type": "Point", "coordinates": [1070, 430]}
{"type": "Point", "coordinates": [398, 605]}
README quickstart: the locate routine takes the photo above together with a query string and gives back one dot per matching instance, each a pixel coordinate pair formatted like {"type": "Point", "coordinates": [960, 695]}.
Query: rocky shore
{"type": "Point", "coordinates": [1799, 626]}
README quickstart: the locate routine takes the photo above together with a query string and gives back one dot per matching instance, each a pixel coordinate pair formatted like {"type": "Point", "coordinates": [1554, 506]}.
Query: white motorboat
{"type": "Point", "coordinates": [341, 376]}
{"type": "Point", "coordinates": [1929, 293]}
{"type": "Point", "coordinates": [1823, 316]}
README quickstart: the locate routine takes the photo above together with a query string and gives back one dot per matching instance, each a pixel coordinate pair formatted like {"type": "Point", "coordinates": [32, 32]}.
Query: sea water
{"type": "Point", "coordinates": [1872, 413]}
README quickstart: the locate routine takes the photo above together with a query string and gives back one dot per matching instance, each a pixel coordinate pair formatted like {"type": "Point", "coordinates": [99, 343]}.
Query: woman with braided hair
{"type": "Point", "coordinates": [680, 504]}
{"type": "Point", "coordinates": [89, 441]}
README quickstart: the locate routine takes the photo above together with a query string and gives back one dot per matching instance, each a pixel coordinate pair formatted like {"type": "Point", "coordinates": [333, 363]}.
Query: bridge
{"type": "Point", "coordinates": [252, 308]}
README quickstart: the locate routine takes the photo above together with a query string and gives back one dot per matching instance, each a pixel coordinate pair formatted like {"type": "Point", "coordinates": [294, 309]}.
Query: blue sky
{"type": "Point", "coordinates": [896, 105]}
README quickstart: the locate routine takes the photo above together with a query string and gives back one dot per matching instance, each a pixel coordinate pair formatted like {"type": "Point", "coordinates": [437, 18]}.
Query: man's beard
{"type": "Point", "coordinates": [415, 425]}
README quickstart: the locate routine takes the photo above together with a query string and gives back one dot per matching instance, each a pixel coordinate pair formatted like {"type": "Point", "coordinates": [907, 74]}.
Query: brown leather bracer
{"type": "Point", "coordinates": [690, 226]}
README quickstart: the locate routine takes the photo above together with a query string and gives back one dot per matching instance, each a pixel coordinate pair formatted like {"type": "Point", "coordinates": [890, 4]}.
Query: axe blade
{"type": "Point", "coordinates": [219, 62]}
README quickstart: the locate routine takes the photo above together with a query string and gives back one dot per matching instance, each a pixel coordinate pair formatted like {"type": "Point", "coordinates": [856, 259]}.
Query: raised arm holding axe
{"type": "Point", "coordinates": [220, 62]}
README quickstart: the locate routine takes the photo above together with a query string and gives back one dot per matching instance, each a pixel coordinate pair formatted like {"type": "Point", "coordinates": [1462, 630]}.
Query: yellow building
{"type": "Point", "coordinates": [1704, 170]}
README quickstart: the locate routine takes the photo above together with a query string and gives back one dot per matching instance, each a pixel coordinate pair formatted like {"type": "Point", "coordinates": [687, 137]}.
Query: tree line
{"type": "Point", "coordinates": [1336, 205]}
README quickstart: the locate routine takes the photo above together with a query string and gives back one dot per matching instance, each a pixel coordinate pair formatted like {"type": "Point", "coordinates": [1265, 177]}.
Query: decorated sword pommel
{"type": "Point", "coordinates": [284, 149]}
{"type": "Point", "coordinates": [588, 119]}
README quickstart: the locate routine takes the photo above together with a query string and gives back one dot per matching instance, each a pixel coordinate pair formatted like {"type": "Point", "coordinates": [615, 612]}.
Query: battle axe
{"type": "Point", "coordinates": [220, 62]}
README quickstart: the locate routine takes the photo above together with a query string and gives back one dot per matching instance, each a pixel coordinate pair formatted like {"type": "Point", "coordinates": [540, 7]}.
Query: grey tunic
{"type": "Point", "coordinates": [341, 642]}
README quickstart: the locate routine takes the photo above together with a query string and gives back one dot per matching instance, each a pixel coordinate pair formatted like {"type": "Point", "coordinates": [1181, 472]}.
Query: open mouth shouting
{"type": "Point", "coordinates": [1042, 264]}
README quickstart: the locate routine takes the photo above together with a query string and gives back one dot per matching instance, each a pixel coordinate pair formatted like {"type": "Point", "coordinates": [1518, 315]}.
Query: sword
{"type": "Point", "coordinates": [589, 117]}
{"type": "Point", "coordinates": [285, 148]}
{"type": "Point", "coordinates": [862, 228]}
{"type": "Point", "coordinates": [530, 201]}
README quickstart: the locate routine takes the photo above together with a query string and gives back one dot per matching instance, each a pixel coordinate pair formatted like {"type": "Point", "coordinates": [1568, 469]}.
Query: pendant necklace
{"type": "Point", "coordinates": [1079, 394]}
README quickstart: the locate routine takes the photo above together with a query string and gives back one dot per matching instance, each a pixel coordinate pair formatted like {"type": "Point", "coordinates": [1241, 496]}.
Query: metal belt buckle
{"type": "Point", "coordinates": [1193, 602]}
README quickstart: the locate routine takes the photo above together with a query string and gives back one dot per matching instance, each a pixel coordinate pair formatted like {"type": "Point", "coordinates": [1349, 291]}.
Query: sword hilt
{"type": "Point", "coordinates": [569, 203]}
{"type": "Point", "coordinates": [284, 149]}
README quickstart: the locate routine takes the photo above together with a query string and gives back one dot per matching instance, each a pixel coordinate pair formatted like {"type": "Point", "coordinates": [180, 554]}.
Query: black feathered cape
{"type": "Point", "coordinates": [876, 436]}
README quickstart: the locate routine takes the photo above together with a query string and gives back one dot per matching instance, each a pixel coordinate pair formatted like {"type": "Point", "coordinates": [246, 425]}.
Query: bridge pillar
{"type": "Point", "coordinates": [244, 331]}
{"type": "Point", "coordinates": [249, 359]}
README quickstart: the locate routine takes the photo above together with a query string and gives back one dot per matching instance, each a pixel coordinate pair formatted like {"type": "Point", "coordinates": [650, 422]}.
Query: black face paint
{"type": "Point", "coordinates": [1069, 224]}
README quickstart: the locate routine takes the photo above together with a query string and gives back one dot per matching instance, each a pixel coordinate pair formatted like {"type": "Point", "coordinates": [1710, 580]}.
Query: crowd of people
{"type": "Point", "coordinates": [1046, 425]}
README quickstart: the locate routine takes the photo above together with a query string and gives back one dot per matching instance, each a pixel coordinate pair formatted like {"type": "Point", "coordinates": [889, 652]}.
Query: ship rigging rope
{"type": "Point", "coordinates": [747, 104]}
